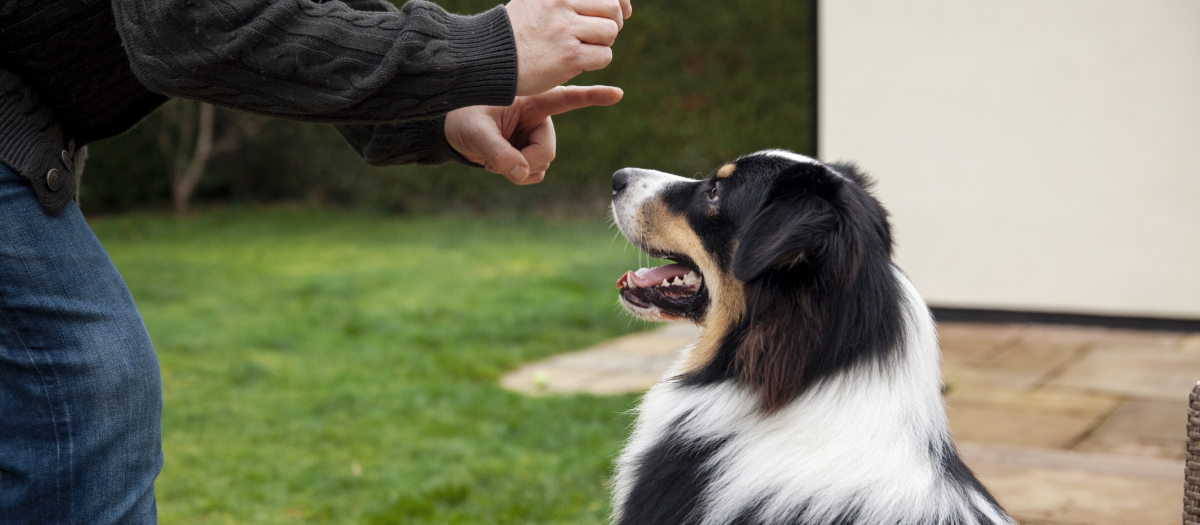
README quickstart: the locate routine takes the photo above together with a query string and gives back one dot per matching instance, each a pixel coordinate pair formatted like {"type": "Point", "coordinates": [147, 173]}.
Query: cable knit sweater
{"type": "Point", "coordinates": [75, 71]}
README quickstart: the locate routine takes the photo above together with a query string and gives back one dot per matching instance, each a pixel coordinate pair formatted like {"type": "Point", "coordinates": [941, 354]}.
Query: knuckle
{"type": "Point", "coordinates": [612, 29]}
{"type": "Point", "coordinates": [605, 59]}
{"type": "Point", "coordinates": [563, 27]}
{"type": "Point", "coordinates": [572, 50]}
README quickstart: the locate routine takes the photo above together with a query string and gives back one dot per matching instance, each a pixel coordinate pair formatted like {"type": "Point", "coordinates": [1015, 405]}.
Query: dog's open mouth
{"type": "Point", "coordinates": [662, 293]}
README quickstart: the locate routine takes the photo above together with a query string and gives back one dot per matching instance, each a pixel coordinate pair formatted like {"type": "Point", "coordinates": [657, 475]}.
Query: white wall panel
{"type": "Point", "coordinates": [1035, 154]}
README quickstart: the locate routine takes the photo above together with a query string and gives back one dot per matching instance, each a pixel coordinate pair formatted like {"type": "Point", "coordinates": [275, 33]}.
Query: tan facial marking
{"type": "Point", "coordinates": [726, 171]}
{"type": "Point", "coordinates": [670, 232]}
{"type": "Point", "coordinates": [725, 310]}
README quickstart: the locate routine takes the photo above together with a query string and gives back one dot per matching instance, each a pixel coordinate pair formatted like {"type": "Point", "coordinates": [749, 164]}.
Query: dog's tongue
{"type": "Point", "coordinates": [653, 276]}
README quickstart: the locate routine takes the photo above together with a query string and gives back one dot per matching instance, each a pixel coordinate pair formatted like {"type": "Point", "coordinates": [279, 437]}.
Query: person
{"type": "Point", "coordinates": [80, 391]}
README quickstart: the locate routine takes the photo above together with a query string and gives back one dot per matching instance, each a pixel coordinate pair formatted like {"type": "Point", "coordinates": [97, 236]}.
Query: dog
{"type": "Point", "coordinates": [813, 395]}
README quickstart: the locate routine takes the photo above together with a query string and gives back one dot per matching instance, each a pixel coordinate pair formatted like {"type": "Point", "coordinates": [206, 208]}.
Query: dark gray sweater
{"type": "Point", "coordinates": [75, 71]}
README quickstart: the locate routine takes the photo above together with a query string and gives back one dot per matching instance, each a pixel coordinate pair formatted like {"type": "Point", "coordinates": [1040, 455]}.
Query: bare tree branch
{"type": "Point", "coordinates": [185, 136]}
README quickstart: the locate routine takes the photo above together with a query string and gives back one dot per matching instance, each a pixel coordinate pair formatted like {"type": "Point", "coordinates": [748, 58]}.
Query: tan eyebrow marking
{"type": "Point", "coordinates": [726, 171]}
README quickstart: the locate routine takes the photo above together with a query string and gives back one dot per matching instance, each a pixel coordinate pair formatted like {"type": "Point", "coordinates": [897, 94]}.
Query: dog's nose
{"type": "Point", "coordinates": [620, 180]}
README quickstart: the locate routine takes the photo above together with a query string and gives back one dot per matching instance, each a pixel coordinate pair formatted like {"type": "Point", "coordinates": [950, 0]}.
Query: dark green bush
{"type": "Point", "coordinates": [704, 81]}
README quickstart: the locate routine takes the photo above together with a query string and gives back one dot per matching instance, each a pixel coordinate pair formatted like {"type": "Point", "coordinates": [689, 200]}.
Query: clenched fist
{"type": "Point", "coordinates": [559, 39]}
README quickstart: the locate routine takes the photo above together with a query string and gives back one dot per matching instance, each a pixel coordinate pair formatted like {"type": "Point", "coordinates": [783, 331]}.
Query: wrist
{"type": "Point", "coordinates": [484, 50]}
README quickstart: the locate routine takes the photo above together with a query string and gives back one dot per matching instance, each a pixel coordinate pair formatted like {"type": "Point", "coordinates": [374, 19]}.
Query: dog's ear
{"type": "Point", "coordinates": [795, 224]}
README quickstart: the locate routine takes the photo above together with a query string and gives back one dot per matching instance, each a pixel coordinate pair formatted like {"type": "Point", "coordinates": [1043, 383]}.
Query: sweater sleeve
{"type": "Point", "coordinates": [413, 142]}
{"type": "Point", "coordinates": [321, 62]}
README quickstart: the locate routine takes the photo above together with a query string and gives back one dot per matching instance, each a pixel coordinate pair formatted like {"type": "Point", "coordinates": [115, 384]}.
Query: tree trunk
{"type": "Point", "coordinates": [183, 184]}
{"type": "Point", "coordinates": [186, 131]}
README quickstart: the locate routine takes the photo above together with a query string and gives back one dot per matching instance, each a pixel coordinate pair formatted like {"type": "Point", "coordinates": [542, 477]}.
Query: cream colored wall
{"type": "Point", "coordinates": [1035, 154]}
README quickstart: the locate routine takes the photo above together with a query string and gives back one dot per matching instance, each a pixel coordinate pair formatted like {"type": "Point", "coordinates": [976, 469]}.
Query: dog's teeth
{"type": "Point", "coordinates": [665, 283]}
{"type": "Point", "coordinates": [690, 278]}
{"type": "Point", "coordinates": [677, 281]}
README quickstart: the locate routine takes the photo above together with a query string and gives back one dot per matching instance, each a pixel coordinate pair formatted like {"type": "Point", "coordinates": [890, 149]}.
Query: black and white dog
{"type": "Point", "coordinates": [813, 396]}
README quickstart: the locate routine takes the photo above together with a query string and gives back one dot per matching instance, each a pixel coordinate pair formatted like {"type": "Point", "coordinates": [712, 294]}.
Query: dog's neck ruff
{"type": "Point", "coordinates": [867, 445]}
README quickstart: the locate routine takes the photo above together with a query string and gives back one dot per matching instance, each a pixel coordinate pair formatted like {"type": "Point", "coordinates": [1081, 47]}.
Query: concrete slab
{"type": "Point", "coordinates": [1031, 363]}
{"type": "Point", "coordinates": [1059, 487]}
{"type": "Point", "coordinates": [1150, 374]}
{"type": "Point", "coordinates": [1013, 425]}
{"type": "Point", "coordinates": [1190, 343]}
{"type": "Point", "coordinates": [1142, 428]}
{"type": "Point", "coordinates": [1043, 401]}
{"type": "Point", "coordinates": [627, 364]}
{"type": "Point", "coordinates": [1090, 335]}
{"type": "Point", "coordinates": [977, 334]}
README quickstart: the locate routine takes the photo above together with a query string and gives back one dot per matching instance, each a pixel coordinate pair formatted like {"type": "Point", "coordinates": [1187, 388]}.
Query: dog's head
{"type": "Point", "coordinates": [785, 260]}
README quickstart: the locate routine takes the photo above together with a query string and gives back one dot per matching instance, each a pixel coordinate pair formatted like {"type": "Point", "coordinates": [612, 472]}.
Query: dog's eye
{"type": "Point", "coordinates": [712, 194]}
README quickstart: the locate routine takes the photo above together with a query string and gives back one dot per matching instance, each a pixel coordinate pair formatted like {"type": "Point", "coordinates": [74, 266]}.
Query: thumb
{"type": "Point", "coordinates": [501, 157]}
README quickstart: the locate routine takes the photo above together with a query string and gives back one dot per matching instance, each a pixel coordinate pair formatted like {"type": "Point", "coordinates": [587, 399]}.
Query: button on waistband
{"type": "Point", "coordinates": [68, 161]}
{"type": "Point", "coordinates": [53, 179]}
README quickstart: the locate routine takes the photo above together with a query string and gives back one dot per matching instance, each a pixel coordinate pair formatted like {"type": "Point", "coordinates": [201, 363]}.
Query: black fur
{"type": "Point", "coordinates": [670, 478]}
{"type": "Point", "coordinates": [956, 470]}
{"type": "Point", "coordinates": [814, 250]}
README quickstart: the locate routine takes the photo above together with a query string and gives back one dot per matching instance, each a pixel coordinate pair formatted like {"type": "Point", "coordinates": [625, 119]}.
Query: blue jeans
{"type": "Point", "coordinates": [80, 393]}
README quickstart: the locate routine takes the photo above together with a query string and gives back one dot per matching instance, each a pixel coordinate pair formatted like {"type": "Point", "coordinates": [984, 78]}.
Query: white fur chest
{"type": "Point", "coordinates": [866, 446]}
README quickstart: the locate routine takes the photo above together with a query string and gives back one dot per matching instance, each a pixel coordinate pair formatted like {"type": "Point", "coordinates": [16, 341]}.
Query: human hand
{"type": "Point", "coordinates": [559, 39]}
{"type": "Point", "coordinates": [517, 141]}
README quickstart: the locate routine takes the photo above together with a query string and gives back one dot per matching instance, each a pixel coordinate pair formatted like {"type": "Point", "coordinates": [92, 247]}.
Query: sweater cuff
{"type": "Point", "coordinates": [484, 51]}
{"type": "Point", "coordinates": [412, 142]}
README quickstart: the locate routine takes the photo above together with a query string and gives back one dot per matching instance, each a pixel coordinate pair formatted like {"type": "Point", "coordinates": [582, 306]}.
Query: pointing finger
{"type": "Point", "coordinates": [566, 98]}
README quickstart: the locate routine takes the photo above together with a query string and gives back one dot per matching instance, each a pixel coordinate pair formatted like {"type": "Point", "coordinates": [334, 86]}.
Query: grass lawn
{"type": "Point", "coordinates": [340, 367]}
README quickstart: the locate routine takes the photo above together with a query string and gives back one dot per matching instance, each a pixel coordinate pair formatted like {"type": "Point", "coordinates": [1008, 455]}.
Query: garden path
{"type": "Point", "coordinates": [1066, 425]}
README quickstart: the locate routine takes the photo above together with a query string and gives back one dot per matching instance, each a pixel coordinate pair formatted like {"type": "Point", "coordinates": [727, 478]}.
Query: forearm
{"type": "Point", "coordinates": [301, 60]}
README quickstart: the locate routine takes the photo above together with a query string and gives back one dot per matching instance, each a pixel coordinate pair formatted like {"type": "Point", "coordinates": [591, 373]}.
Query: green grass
{"type": "Point", "coordinates": [296, 344]}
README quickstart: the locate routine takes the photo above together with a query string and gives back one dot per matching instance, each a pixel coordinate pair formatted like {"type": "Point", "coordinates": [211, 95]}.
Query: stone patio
{"type": "Point", "coordinates": [1066, 425]}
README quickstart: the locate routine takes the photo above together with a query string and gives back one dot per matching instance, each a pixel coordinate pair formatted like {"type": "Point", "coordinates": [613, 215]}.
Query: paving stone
{"type": "Point", "coordinates": [1142, 428]}
{"type": "Point", "coordinates": [1030, 363]}
{"type": "Point", "coordinates": [1151, 374]}
{"type": "Point", "coordinates": [1036, 495]}
{"type": "Point", "coordinates": [1066, 487]}
{"type": "Point", "coordinates": [1044, 401]}
{"type": "Point", "coordinates": [1190, 343]}
{"type": "Point", "coordinates": [1110, 337]}
{"type": "Point", "coordinates": [627, 364]}
{"type": "Point", "coordinates": [978, 333]}
{"type": "Point", "coordinates": [1090, 335]}
{"type": "Point", "coordinates": [967, 344]}
{"type": "Point", "coordinates": [1048, 419]}
{"type": "Point", "coordinates": [1017, 427]}
{"type": "Point", "coordinates": [995, 376]}
{"type": "Point", "coordinates": [622, 384]}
